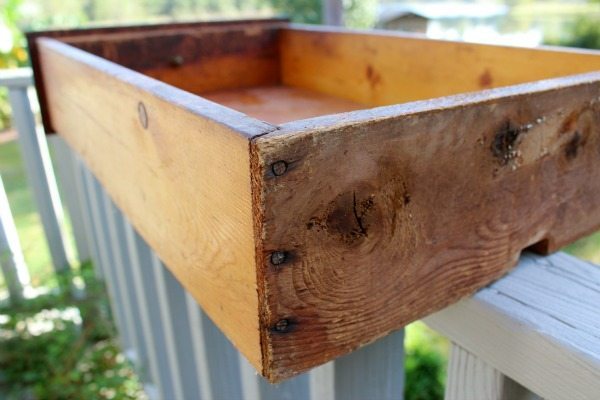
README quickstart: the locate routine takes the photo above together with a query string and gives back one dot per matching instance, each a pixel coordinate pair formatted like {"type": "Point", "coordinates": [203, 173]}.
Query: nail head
{"type": "Point", "coordinates": [177, 61]}
{"type": "Point", "coordinates": [279, 168]}
{"type": "Point", "coordinates": [282, 325]}
{"type": "Point", "coordinates": [278, 257]}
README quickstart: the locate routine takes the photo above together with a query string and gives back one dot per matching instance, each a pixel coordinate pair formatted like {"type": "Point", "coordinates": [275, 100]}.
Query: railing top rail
{"type": "Point", "coordinates": [16, 77]}
{"type": "Point", "coordinates": [538, 325]}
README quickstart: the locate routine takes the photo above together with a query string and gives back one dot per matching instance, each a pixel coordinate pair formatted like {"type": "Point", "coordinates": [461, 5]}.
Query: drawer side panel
{"type": "Point", "coordinates": [386, 215]}
{"type": "Point", "coordinates": [179, 174]}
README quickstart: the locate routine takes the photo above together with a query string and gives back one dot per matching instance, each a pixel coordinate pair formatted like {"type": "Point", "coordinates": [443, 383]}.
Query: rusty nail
{"type": "Point", "coordinates": [143, 115]}
{"type": "Point", "coordinates": [282, 325]}
{"type": "Point", "coordinates": [278, 257]}
{"type": "Point", "coordinates": [279, 167]}
{"type": "Point", "coordinates": [177, 61]}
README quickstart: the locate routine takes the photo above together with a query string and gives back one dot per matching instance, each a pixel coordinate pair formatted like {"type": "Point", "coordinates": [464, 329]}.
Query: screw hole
{"type": "Point", "coordinates": [143, 115]}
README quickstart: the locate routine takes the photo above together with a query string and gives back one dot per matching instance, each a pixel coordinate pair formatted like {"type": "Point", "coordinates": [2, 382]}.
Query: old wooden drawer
{"type": "Point", "coordinates": [315, 188]}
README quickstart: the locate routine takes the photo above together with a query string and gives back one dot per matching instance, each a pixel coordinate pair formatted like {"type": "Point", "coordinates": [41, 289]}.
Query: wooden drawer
{"type": "Point", "coordinates": [315, 189]}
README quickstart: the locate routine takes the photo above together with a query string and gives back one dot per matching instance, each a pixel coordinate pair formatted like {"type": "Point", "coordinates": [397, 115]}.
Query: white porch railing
{"type": "Point", "coordinates": [537, 328]}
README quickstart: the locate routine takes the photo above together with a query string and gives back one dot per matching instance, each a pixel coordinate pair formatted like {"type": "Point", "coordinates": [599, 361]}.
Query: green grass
{"type": "Point", "coordinates": [56, 346]}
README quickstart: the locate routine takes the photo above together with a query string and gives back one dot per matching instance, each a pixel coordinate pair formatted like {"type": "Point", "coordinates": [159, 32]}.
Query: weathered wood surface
{"type": "Point", "coordinates": [177, 165]}
{"type": "Point", "coordinates": [539, 325]}
{"type": "Point", "coordinates": [307, 240]}
{"type": "Point", "coordinates": [196, 57]}
{"type": "Point", "coordinates": [387, 215]}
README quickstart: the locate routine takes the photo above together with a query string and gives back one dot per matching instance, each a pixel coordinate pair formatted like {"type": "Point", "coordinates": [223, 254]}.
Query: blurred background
{"type": "Point", "coordinates": [54, 345]}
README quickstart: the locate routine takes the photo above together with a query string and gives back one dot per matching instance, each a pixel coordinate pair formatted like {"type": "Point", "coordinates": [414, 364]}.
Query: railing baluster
{"type": "Point", "coordinates": [250, 381]}
{"type": "Point", "coordinates": [322, 382]}
{"type": "Point", "coordinates": [470, 378]}
{"type": "Point", "coordinates": [106, 256]}
{"type": "Point", "coordinates": [125, 275]}
{"type": "Point", "coordinates": [196, 320]}
{"type": "Point", "coordinates": [221, 367]}
{"type": "Point", "coordinates": [65, 169]}
{"type": "Point", "coordinates": [117, 245]}
{"type": "Point", "coordinates": [297, 388]}
{"type": "Point", "coordinates": [41, 176]}
{"type": "Point", "coordinates": [163, 324]}
{"type": "Point", "coordinates": [179, 332]}
{"type": "Point", "coordinates": [86, 207]}
{"type": "Point", "coordinates": [86, 211]}
{"type": "Point", "coordinates": [143, 283]}
{"type": "Point", "coordinates": [12, 262]}
{"type": "Point", "coordinates": [374, 372]}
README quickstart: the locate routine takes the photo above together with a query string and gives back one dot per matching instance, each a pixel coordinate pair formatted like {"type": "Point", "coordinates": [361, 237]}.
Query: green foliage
{"type": "Point", "coordinates": [587, 248]}
{"type": "Point", "coordinates": [12, 41]}
{"type": "Point", "coordinates": [59, 347]}
{"type": "Point", "coordinates": [423, 375]}
{"type": "Point", "coordinates": [302, 11]}
{"type": "Point", "coordinates": [585, 34]}
{"type": "Point", "coordinates": [357, 13]}
{"type": "Point", "coordinates": [425, 363]}
{"type": "Point", "coordinates": [12, 50]}
{"type": "Point", "coordinates": [360, 13]}
{"type": "Point", "coordinates": [5, 112]}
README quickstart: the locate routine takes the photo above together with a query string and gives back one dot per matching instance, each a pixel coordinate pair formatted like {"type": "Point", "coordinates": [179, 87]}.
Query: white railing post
{"type": "Point", "coordinates": [66, 170]}
{"type": "Point", "coordinates": [85, 203]}
{"type": "Point", "coordinates": [538, 325]}
{"type": "Point", "coordinates": [375, 371]}
{"type": "Point", "coordinates": [333, 12]}
{"type": "Point", "coordinates": [471, 378]}
{"type": "Point", "coordinates": [12, 262]}
{"type": "Point", "coordinates": [38, 168]}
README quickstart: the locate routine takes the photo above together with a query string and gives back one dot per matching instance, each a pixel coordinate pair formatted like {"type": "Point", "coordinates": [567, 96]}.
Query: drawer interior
{"type": "Point", "coordinates": [279, 72]}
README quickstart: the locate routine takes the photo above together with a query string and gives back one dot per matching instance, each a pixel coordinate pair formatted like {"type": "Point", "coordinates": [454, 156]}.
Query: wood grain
{"type": "Point", "coordinates": [306, 240]}
{"type": "Point", "coordinates": [389, 214]}
{"type": "Point", "coordinates": [279, 104]}
{"type": "Point", "coordinates": [195, 57]}
{"type": "Point", "coordinates": [164, 177]}
{"type": "Point", "coordinates": [538, 325]}
{"type": "Point", "coordinates": [382, 68]}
